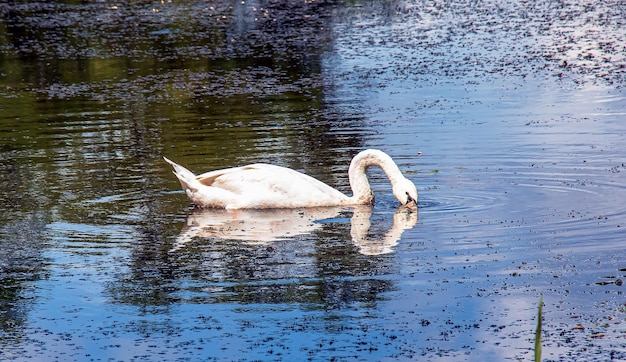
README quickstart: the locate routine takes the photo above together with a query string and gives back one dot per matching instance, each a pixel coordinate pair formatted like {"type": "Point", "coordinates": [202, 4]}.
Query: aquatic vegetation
{"type": "Point", "coordinates": [538, 330]}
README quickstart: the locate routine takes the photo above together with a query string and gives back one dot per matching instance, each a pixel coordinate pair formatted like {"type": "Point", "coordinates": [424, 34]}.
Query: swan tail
{"type": "Point", "coordinates": [187, 179]}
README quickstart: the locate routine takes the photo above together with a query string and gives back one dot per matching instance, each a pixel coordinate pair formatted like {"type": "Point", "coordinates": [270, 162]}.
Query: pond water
{"type": "Point", "coordinates": [509, 117]}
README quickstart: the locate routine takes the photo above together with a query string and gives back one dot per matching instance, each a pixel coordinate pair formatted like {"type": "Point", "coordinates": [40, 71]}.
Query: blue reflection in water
{"type": "Point", "coordinates": [518, 155]}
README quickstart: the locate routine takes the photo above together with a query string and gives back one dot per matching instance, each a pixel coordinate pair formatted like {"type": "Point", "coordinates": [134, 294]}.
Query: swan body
{"type": "Point", "coordinates": [263, 186]}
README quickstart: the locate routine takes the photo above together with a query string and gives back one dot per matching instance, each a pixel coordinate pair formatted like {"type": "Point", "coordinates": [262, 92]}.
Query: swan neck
{"type": "Point", "coordinates": [362, 192]}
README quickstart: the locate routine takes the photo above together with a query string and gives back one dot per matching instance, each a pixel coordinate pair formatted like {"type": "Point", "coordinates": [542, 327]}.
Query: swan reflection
{"type": "Point", "coordinates": [360, 223]}
{"type": "Point", "coordinates": [265, 226]}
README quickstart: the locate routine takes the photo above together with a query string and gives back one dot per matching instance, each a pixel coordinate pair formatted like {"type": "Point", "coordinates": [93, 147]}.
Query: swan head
{"type": "Point", "coordinates": [406, 192]}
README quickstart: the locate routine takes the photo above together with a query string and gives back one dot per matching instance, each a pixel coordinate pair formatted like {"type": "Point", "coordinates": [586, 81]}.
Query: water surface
{"type": "Point", "coordinates": [509, 118]}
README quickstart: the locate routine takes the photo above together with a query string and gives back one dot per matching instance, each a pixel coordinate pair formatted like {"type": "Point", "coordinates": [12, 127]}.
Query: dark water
{"type": "Point", "coordinates": [510, 119]}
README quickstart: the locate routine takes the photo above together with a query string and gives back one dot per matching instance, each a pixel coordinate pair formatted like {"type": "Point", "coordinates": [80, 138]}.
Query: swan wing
{"type": "Point", "coordinates": [268, 186]}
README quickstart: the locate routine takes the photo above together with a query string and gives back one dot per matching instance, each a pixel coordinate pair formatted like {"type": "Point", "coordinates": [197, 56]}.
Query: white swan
{"type": "Point", "coordinates": [263, 186]}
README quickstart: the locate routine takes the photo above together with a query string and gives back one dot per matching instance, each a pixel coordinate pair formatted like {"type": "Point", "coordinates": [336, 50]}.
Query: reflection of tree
{"type": "Point", "coordinates": [21, 263]}
{"type": "Point", "coordinates": [99, 91]}
{"type": "Point", "coordinates": [248, 74]}
{"type": "Point", "coordinates": [23, 217]}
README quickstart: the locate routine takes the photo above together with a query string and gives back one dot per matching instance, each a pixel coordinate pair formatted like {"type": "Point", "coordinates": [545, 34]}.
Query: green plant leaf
{"type": "Point", "coordinates": [538, 331]}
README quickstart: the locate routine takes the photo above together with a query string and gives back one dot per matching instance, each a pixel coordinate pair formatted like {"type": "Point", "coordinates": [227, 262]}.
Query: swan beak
{"type": "Point", "coordinates": [411, 204]}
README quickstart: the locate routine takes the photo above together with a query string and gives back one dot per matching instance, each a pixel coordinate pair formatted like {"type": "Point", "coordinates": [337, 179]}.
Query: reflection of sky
{"type": "Point", "coordinates": [521, 187]}
{"type": "Point", "coordinates": [521, 184]}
